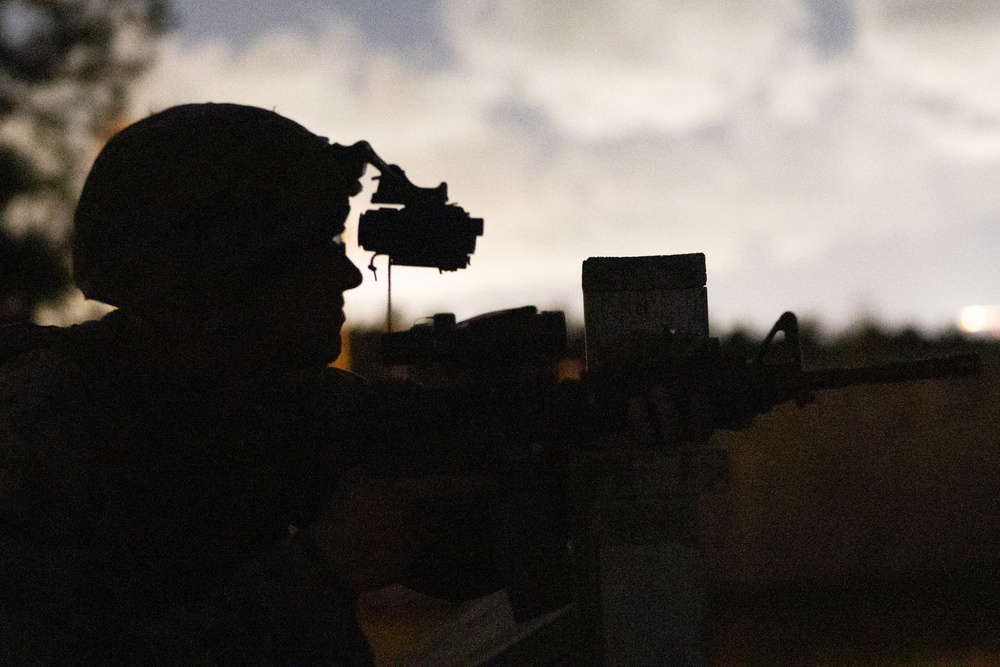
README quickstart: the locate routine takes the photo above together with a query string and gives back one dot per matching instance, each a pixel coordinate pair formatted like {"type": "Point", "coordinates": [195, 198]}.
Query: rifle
{"type": "Point", "coordinates": [647, 325]}
{"type": "Point", "coordinates": [498, 368]}
{"type": "Point", "coordinates": [719, 393]}
{"type": "Point", "coordinates": [713, 393]}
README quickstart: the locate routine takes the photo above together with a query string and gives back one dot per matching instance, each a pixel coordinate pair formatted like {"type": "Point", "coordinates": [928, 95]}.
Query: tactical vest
{"type": "Point", "coordinates": [151, 519]}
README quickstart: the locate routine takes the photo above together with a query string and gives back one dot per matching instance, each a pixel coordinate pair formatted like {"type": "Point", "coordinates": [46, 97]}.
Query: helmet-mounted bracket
{"type": "Point", "coordinates": [418, 227]}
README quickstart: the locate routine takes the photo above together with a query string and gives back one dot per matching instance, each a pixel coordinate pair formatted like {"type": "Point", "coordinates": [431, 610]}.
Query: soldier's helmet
{"type": "Point", "coordinates": [204, 202]}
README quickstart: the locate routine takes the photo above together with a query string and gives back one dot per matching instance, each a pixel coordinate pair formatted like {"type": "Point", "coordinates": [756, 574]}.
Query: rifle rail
{"type": "Point", "coordinates": [952, 366]}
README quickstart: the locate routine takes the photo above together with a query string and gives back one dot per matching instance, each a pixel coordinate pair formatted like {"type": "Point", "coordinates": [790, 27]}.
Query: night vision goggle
{"type": "Point", "coordinates": [418, 227]}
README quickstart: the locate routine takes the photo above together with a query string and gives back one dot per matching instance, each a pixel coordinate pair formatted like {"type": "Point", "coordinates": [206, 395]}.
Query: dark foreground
{"type": "Point", "coordinates": [946, 620]}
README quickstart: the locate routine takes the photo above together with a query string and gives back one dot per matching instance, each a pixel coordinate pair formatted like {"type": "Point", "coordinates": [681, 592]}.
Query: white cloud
{"type": "Point", "coordinates": [603, 69]}
{"type": "Point", "coordinates": [644, 127]}
{"type": "Point", "coordinates": [942, 58]}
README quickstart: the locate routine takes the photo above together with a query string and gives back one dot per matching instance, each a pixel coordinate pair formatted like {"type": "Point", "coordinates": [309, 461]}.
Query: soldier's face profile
{"type": "Point", "coordinates": [306, 303]}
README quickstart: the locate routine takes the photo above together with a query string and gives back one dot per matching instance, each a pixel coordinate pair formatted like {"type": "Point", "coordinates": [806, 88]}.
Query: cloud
{"type": "Point", "coordinates": [768, 135]}
{"type": "Point", "coordinates": [414, 32]}
{"type": "Point", "coordinates": [603, 69]}
{"type": "Point", "coordinates": [832, 26]}
{"type": "Point", "coordinates": [942, 58]}
{"type": "Point", "coordinates": [903, 281]}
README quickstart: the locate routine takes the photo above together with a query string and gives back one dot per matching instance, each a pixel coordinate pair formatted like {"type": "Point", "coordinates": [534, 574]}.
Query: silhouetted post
{"type": "Point", "coordinates": [640, 573]}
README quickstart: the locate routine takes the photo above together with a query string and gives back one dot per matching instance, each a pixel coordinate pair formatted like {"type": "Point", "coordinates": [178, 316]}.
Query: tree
{"type": "Point", "coordinates": [65, 71]}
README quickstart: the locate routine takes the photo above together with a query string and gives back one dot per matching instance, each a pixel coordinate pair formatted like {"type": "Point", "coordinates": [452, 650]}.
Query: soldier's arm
{"type": "Point", "coordinates": [43, 497]}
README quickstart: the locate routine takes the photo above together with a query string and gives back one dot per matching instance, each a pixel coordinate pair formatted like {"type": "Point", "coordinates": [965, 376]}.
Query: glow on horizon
{"type": "Point", "coordinates": [980, 319]}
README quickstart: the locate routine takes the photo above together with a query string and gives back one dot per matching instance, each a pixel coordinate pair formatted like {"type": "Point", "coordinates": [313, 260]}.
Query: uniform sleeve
{"type": "Point", "coordinates": [42, 468]}
{"type": "Point", "coordinates": [43, 496]}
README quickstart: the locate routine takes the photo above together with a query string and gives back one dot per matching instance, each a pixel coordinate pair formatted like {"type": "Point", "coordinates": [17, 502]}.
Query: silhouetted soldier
{"type": "Point", "coordinates": [153, 462]}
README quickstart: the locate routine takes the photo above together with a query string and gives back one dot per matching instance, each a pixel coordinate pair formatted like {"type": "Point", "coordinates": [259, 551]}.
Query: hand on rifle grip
{"type": "Point", "coordinates": [659, 417]}
{"type": "Point", "coordinates": [654, 418]}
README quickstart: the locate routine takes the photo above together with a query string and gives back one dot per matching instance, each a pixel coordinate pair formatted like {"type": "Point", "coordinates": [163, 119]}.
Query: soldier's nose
{"type": "Point", "coordinates": [349, 276]}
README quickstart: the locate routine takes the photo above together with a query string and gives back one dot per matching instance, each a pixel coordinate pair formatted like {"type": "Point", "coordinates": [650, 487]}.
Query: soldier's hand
{"type": "Point", "coordinates": [367, 532]}
{"type": "Point", "coordinates": [654, 417]}
{"type": "Point", "coordinates": [375, 528]}
{"type": "Point", "coordinates": [658, 417]}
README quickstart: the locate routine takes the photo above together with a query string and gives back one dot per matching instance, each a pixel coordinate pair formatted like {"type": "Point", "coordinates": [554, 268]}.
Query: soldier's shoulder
{"type": "Point", "coordinates": [45, 369]}
{"type": "Point", "coordinates": [337, 380]}
{"type": "Point", "coordinates": [337, 394]}
{"type": "Point", "coordinates": [34, 363]}
{"type": "Point", "coordinates": [39, 381]}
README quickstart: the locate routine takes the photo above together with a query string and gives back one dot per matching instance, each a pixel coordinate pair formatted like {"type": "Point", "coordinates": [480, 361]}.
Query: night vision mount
{"type": "Point", "coordinates": [419, 227]}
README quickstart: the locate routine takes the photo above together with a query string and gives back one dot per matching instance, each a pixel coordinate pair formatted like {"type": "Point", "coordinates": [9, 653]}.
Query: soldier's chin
{"type": "Point", "coordinates": [332, 353]}
{"type": "Point", "coordinates": [332, 358]}
{"type": "Point", "coordinates": [305, 357]}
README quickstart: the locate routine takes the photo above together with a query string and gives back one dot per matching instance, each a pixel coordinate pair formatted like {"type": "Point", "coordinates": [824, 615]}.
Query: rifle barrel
{"type": "Point", "coordinates": [953, 366]}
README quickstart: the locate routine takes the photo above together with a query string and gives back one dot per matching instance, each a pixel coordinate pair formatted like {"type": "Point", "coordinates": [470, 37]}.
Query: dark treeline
{"type": "Point", "coordinates": [66, 69]}
{"type": "Point", "coordinates": [865, 341]}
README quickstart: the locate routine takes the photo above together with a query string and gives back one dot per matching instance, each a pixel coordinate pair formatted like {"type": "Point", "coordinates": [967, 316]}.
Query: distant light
{"type": "Point", "coordinates": [980, 319]}
{"type": "Point", "coordinates": [973, 319]}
